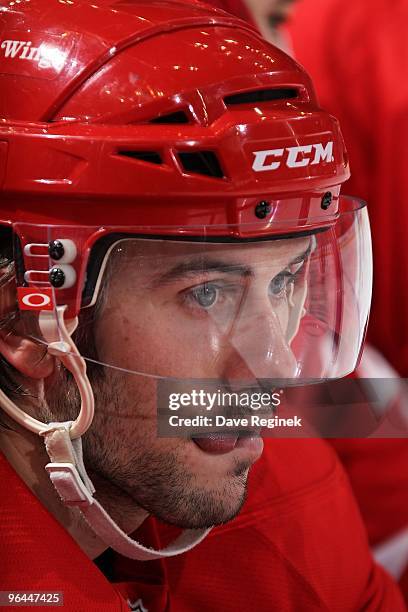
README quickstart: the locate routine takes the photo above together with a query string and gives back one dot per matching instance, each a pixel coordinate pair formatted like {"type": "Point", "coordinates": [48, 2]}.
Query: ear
{"type": "Point", "coordinates": [29, 358]}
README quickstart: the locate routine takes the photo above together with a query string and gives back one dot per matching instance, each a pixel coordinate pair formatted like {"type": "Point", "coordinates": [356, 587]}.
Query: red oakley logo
{"type": "Point", "coordinates": [31, 298]}
{"type": "Point", "coordinates": [295, 157]}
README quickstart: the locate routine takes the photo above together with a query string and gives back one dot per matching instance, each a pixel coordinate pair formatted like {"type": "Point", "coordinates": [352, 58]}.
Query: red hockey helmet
{"type": "Point", "coordinates": [172, 139]}
{"type": "Point", "coordinates": [170, 184]}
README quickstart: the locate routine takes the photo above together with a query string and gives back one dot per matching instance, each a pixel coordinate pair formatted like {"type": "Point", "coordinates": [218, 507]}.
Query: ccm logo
{"type": "Point", "coordinates": [311, 155]}
{"type": "Point", "coordinates": [30, 298]}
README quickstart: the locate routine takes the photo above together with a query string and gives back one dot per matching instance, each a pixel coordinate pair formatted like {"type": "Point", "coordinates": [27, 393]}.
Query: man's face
{"type": "Point", "coordinates": [188, 310]}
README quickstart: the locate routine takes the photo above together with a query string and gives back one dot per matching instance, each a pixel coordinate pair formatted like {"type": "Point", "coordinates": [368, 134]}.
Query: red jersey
{"type": "Point", "coordinates": [298, 544]}
{"type": "Point", "coordinates": [356, 54]}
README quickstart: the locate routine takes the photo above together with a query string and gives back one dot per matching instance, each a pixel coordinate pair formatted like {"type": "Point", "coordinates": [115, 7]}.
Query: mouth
{"type": "Point", "coordinates": [222, 443]}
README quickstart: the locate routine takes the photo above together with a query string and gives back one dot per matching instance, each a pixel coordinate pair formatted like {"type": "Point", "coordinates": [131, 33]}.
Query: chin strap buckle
{"type": "Point", "coordinates": [67, 481]}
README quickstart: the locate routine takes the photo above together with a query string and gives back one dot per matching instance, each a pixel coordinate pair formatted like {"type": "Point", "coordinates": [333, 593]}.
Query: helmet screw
{"type": "Point", "coordinates": [262, 209]}
{"type": "Point", "coordinates": [327, 199]}
{"type": "Point", "coordinates": [56, 250]}
{"type": "Point", "coordinates": [57, 277]}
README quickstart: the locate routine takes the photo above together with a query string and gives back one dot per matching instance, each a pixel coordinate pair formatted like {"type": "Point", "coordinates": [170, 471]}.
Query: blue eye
{"type": "Point", "coordinates": [206, 295]}
{"type": "Point", "coordinates": [279, 283]}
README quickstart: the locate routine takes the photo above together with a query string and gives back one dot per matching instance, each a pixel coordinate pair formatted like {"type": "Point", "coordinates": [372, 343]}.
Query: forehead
{"type": "Point", "coordinates": [164, 253]}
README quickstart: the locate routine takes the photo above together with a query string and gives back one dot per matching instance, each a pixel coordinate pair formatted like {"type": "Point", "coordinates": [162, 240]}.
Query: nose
{"type": "Point", "coordinates": [259, 349]}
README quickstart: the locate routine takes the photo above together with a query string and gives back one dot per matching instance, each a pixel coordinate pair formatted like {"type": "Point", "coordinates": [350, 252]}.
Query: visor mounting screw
{"type": "Point", "coordinates": [57, 277]}
{"type": "Point", "coordinates": [327, 199]}
{"type": "Point", "coordinates": [262, 209]}
{"type": "Point", "coordinates": [56, 250]}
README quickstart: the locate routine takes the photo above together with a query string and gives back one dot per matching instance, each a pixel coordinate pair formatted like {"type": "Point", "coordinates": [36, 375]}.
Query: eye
{"type": "Point", "coordinates": [279, 283]}
{"type": "Point", "coordinates": [205, 295]}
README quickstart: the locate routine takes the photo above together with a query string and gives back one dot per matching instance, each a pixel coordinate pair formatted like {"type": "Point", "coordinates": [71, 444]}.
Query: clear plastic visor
{"type": "Point", "coordinates": [292, 308]}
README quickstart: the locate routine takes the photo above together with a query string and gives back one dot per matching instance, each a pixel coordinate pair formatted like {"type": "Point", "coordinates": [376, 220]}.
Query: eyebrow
{"type": "Point", "coordinates": [303, 255]}
{"type": "Point", "coordinates": [199, 265]}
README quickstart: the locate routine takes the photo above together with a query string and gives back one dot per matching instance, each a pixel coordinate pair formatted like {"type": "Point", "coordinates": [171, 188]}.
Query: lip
{"type": "Point", "coordinates": [252, 443]}
{"type": "Point", "coordinates": [222, 444]}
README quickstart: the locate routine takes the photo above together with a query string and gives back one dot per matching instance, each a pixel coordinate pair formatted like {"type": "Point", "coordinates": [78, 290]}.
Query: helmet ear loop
{"type": "Point", "coordinates": [57, 335]}
{"type": "Point", "coordinates": [57, 332]}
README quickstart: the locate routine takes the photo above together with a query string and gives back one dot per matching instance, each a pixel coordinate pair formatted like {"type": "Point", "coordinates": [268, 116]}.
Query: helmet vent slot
{"type": "Point", "coordinates": [201, 162]}
{"type": "Point", "coordinates": [152, 157]}
{"type": "Point", "coordinates": [261, 95]}
{"type": "Point", "coordinates": [171, 118]}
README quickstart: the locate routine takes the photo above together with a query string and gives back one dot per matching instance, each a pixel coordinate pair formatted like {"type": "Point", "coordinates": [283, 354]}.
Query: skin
{"type": "Point", "coordinates": [168, 310]}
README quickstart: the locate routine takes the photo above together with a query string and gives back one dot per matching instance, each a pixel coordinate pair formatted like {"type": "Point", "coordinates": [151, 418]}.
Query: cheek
{"type": "Point", "coordinates": [157, 340]}
{"type": "Point", "coordinates": [281, 312]}
{"type": "Point", "coordinates": [285, 319]}
{"type": "Point", "coordinates": [130, 344]}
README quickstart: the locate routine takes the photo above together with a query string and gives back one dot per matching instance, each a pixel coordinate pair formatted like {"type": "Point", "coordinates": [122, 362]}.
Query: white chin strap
{"type": "Point", "coordinates": [68, 475]}
{"type": "Point", "coordinates": [64, 447]}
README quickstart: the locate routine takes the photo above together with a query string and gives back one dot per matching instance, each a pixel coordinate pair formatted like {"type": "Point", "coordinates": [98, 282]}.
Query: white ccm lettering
{"type": "Point", "coordinates": [293, 152]}
{"type": "Point", "coordinates": [259, 164]}
{"type": "Point", "coordinates": [322, 153]}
